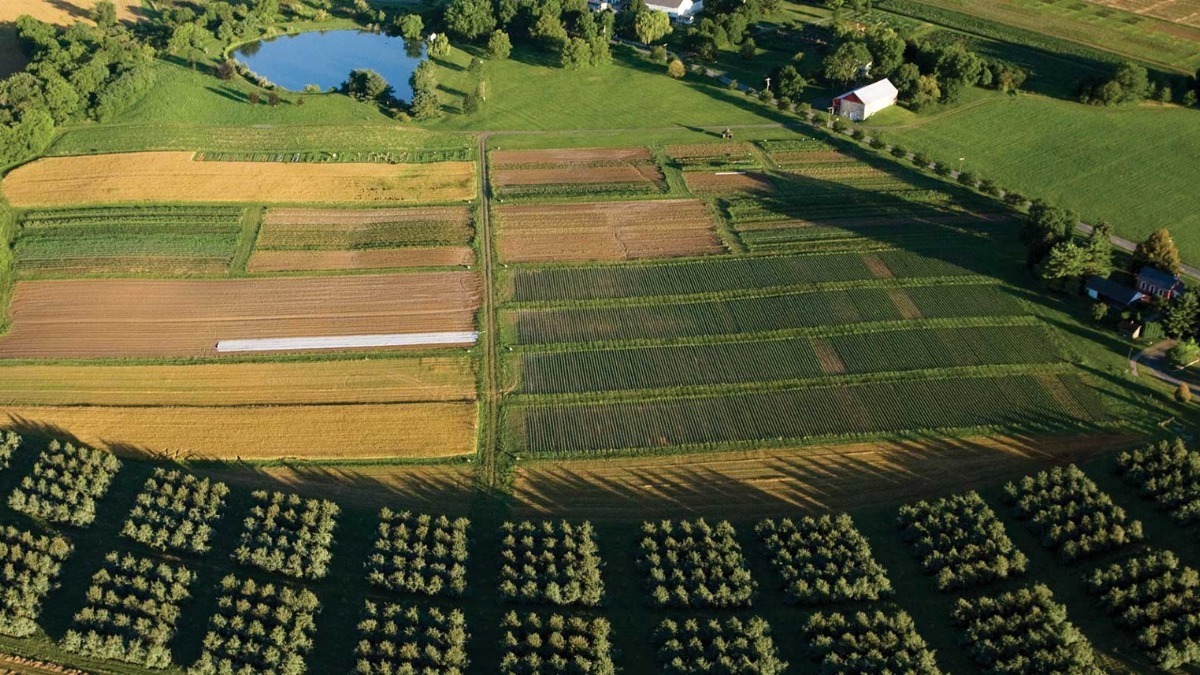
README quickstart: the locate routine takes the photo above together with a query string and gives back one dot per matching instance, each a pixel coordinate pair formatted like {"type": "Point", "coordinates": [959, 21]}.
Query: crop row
{"type": "Point", "coordinates": [321, 237]}
{"type": "Point", "coordinates": [462, 154]}
{"type": "Point", "coordinates": [853, 234]}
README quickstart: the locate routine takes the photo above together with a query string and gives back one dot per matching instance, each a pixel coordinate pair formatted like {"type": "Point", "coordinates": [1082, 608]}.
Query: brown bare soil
{"type": "Point", "coordinates": [175, 177]}
{"type": "Point", "coordinates": [117, 318]}
{"type": "Point", "coordinates": [388, 380]}
{"type": "Point", "coordinates": [721, 183]}
{"type": "Point", "coordinates": [878, 267]}
{"type": "Point", "coordinates": [326, 432]}
{"type": "Point", "coordinates": [503, 158]}
{"type": "Point", "coordinates": [904, 303]}
{"type": "Point", "coordinates": [379, 258]}
{"type": "Point", "coordinates": [606, 231]}
{"type": "Point", "coordinates": [577, 175]}
{"type": "Point", "coordinates": [769, 482]}
{"type": "Point", "coordinates": [707, 150]}
{"type": "Point", "coordinates": [827, 356]}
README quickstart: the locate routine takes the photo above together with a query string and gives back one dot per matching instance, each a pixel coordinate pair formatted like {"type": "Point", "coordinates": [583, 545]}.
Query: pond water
{"type": "Point", "coordinates": [325, 58]}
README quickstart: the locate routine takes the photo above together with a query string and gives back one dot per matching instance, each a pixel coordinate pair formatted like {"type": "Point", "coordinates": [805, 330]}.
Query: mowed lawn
{"type": "Point", "coordinates": [1132, 166]}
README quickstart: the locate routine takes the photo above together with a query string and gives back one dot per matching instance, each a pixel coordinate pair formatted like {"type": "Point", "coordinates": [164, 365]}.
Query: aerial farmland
{"type": "Point", "coordinates": [553, 338]}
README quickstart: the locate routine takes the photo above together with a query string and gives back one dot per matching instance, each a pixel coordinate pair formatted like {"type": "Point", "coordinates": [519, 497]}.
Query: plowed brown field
{"type": "Point", "coordinates": [721, 183]}
{"type": "Point", "coordinates": [578, 175]}
{"type": "Point", "coordinates": [380, 258]}
{"type": "Point", "coordinates": [116, 318]}
{"type": "Point", "coordinates": [175, 177]}
{"type": "Point", "coordinates": [503, 158]}
{"type": "Point", "coordinates": [606, 231]}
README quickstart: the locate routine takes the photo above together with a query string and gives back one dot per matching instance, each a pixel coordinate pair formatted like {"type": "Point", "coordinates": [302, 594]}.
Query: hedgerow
{"type": "Point", "coordinates": [262, 629]}
{"type": "Point", "coordinates": [689, 563]}
{"type": "Point", "coordinates": [65, 484]}
{"type": "Point", "coordinates": [1167, 473]}
{"type": "Point", "coordinates": [534, 644]}
{"type": "Point", "coordinates": [960, 541]}
{"type": "Point", "coordinates": [289, 535]}
{"type": "Point", "coordinates": [1024, 632]}
{"type": "Point", "coordinates": [824, 559]}
{"type": "Point", "coordinates": [417, 553]}
{"type": "Point", "coordinates": [414, 640]}
{"type": "Point", "coordinates": [132, 607]}
{"type": "Point", "coordinates": [176, 512]}
{"type": "Point", "coordinates": [868, 642]}
{"type": "Point", "coordinates": [552, 562]}
{"type": "Point", "coordinates": [9, 442]}
{"type": "Point", "coordinates": [1070, 514]}
{"type": "Point", "coordinates": [729, 646]}
{"type": "Point", "coordinates": [29, 567]}
{"type": "Point", "coordinates": [1154, 596]}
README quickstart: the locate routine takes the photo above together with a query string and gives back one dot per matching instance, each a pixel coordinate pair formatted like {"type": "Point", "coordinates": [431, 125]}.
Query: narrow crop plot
{"type": "Point", "coordinates": [571, 232]}
{"type": "Point", "coordinates": [1070, 514]}
{"type": "Point", "coordinates": [9, 442]}
{"type": "Point", "coordinates": [160, 240]}
{"type": "Point", "coordinates": [714, 156]}
{"type": "Point", "coordinates": [398, 639]}
{"type": "Point", "coordinates": [730, 646]}
{"type": "Point", "coordinates": [258, 628]}
{"type": "Point", "coordinates": [1024, 632]}
{"type": "Point", "coordinates": [417, 553]}
{"type": "Point", "coordinates": [823, 560]}
{"type": "Point", "coordinates": [1155, 597]}
{"type": "Point", "coordinates": [555, 645]}
{"type": "Point", "coordinates": [869, 642]}
{"type": "Point", "coordinates": [1168, 474]}
{"type": "Point", "coordinates": [188, 318]}
{"type": "Point", "coordinates": [65, 485]}
{"type": "Point", "coordinates": [551, 562]}
{"type": "Point", "coordinates": [690, 563]}
{"type": "Point", "coordinates": [730, 183]}
{"type": "Point", "coordinates": [960, 541]}
{"type": "Point", "coordinates": [176, 177]}
{"type": "Point", "coordinates": [131, 612]}
{"type": "Point", "coordinates": [370, 259]}
{"type": "Point", "coordinates": [589, 171]}
{"type": "Point", "coordinates": [288, 535]}
{"type": "Point", "coordinates": [176, 512]}
{"type": "Point", "coordinates": [29, 567]}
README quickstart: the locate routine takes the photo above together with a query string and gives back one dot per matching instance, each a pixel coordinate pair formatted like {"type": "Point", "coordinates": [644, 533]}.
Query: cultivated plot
{"type": "Point", "coordinates": [527, 173]}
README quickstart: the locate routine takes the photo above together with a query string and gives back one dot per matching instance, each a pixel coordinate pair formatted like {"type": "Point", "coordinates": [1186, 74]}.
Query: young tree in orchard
{"type": "Point", "coordinates": [844, 65]}
{"type": "Point", "coordinates": [499, 45]}
{"type": "Point", "coordinates": [650, 26]}
{"type": "Point", "coordinates": [470, 19]}
{"type": "Point", "coordinates": [1158, 250]}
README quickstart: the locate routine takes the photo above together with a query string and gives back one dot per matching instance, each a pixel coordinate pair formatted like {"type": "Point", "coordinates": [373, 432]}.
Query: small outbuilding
{"type": "Point", "coordinates": [865, 101]}
{"type": "Point", "coordinates": [1153, 281]}
{"type": "Point", "coordinates": [1118, 295]}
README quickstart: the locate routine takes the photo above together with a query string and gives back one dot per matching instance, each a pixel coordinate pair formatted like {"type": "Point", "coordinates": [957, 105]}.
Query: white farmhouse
{"type": "Point", "coordinates": [865, 101]}
{"type": "Point", "coordinates": [678, 10]}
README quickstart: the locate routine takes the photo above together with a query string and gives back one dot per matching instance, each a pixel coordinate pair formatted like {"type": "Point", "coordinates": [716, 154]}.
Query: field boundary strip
{"type": "Point", "coordinates": [347, 341]}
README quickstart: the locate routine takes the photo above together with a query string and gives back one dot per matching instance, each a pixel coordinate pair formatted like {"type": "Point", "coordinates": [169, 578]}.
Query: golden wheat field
{"type": "Point", "coordinates": [64, 12]}
{"type": "Point", "coordinates": [176, 177]}
{"type": "Point", "coordinates": [305, 432]}
{"type": "Point", "coordinates": [379, 380]}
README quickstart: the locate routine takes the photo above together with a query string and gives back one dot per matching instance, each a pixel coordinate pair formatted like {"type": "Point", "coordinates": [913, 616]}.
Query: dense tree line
{"type": "Point", "coordinates": [287, 534]}
{"type": "Point", "coordinates": [960, 541]}
{"type": "Point", "coordinates": [730, 646]}
{"type": "Point", "coordinates": [9, 442]}
{"type": "Point", "coordinates": [824, 559]}
{"type": "Point", "coordinates": [868, 642]}
{"type": "Point", "coordinates": [1024, 632]}
{"type": "Point", "coordinates": [576, 36]}
{"type": "Point", "coordinates": [176, 512]}
{"type": "Point", "coordinates": [65, 484]}
{"type": "Point", "coordinates": [397, 640]}
{"type": "Point", "coordinates": [533, 644]}
{"type": "Point", "coordinates": [552, 562]}
{"type": "Point", "coordinates": [1167, 473]}
{"type": "Point", "coordinates": [690, 563]}
{"type": "Point", "coordinates": [1154, 596]}
{"type": "Point", "coordinates": [1069, 513]}
{"type": "Point", "coordinates": [417, 553]}
{"type": "Point", "coordinates": [29, 567]}
{"type": "Point", "coordinates": [258, 628]}
{"type": "Point", "coordinates": [131, 612]}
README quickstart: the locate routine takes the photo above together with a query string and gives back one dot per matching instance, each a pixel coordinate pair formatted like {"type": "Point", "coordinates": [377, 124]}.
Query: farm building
{"type": "Point", "coordinates": [677, 9]}
{"type": "Point", "coordinates": [865, 101]}
{"type": "Point", "coordinates": [1158, 283]}
{"type": "Point", "coordinates": [1112, 292]}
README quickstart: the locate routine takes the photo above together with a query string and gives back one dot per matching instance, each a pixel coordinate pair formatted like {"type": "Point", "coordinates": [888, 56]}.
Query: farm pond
{"type": "Point", "coordinates": [325, 58]}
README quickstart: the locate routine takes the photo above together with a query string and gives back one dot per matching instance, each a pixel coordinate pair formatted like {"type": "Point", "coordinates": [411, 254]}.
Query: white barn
{"type": "Point", "coordinates": [676, 9]}
{"type": "Point", "coordinates": [865, 101]}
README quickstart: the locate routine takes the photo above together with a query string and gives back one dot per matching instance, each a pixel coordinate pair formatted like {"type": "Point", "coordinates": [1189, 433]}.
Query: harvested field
{"type": "Point", "coordinates": [577, 175]}
{"type": "Point", "coordinates": [1186, 12]}
{"type": "Point", "coordinates": [90, 319]}
{"type": "Point", "coordinates": [380, 258]}
{"type": "Point", "coordinates": [517, 173]}
{"type": "Point", "coordinates": [509, 158]}
{"type": "Point", "coordinates": [401, 380]}
{"type": "Point", "coordinates": [65, 12]}
{"type": "Point", "coordinates": [348, 432]}
{"type": "Point", "coordinates": [769, 482]}
{"type": "Point", "coordinates": [175, 177]}
{"type": "Point", "coordinates": [725, 183]}
{"type": "Point", "coordinates": [606, 231]}
{"type": "Point", "coordinates": [353, 229]}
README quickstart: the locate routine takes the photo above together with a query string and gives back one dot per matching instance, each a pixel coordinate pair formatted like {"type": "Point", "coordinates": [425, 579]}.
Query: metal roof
{"type": "Point", "coordinates": [882, 90]}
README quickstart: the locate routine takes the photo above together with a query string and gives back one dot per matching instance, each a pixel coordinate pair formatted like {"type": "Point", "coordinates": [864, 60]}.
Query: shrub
{"type": "Point", "coordinates": [899, 151]}
{"type": "Point", "coordinates": [1168, 474]}
{"type": "Point", "coordinates": [658, 54]}
{"type": "Point", "coordinates": [536, 643]}
{"type": "Point", "coordinates": [942, 169]}
{"type": "Point", "coordinates": [823, 559]}
{"type": "Point", "coordinates": [423, 640]}
{"type": "Point", "coordinates": [960, 541]}
{"type": "Point", "coordinates": [288, 535]}
{"type": "Point", "coordinates": [874, 642]}
{"type": "Point", "coordinates": [968, 178]}
{"type": "Point", "coordinates": [417, 553]}
{"type": "Point", "coordinates": [858, 134]}
{"type": "Point", "coordinates": [921, 160]}
{"type": "Point", "coordinates": [29, 567]}
{"type": "Point", "coordinates": [676, 69]}
{"type": "Point", "coordinates": [989, 187]}
{"type": "Point", "coordinates": [1183, 354]}
{"type": "Point", "coordinates": [1183, 393]}
{"type": "Point", "coordinates": [877, 142]}
{"type": "Point", "coordinates": [263, 629]}
{"type": "Point", "coordinates": [176, 512]}
{"type": "Point", "coordinates": [65, 484]}
{"type": "Point", "coordinates": [554, 563]}
{"type": "Point", "coordinates": [693, 564]}
{"type": "Point", "coordinates": [729, 646]}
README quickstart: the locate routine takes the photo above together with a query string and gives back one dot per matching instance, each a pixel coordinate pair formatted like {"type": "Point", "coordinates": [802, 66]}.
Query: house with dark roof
{"type": "Point", "coordinates": [1116, 294]}
{"type": "Point", "coordinates": [1160, 284]}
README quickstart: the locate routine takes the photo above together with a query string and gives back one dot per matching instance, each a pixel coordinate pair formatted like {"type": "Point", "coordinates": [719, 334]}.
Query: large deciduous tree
{"type": "Point", "coordinates": [1158, 250]}
{"type": "Point", "coordinates": [650, 26]}
{"type": "Point", "coordinates": [470, 19]}
{"type": "Point", "coordinates": [846, 62]}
